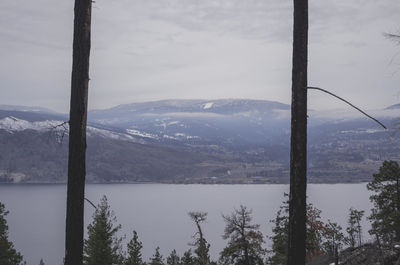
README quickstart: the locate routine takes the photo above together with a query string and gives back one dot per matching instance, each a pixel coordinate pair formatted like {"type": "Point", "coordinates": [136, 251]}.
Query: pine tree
{"type": "Point", "coordinates": [280, 236]}
{"type": "Point", "coordinates": [157, 259]}
{"type": "Point", "coordinates": [314, 231]}
{"type": "Point", "coordinates": [134, 251]}
{"type": "Point", "coordinates": [354, 230]}
{"type": "Point", "coordinates": [334, 240]}
{"type": "Point", "coordinates": [103, 247]}
{"type": "Point", "coordinates": [187, 258]}
{"type": "Point", "coordinates": [173, 258]}
{"type": "Point", "coordinates": [41, 262]}
{"type": "Point", "coordinates": [385, 215]}
{"type": "Point", "coordinates": [245, 239]}
{"type": "Point", "coordinates": [202, 246]}
{"type": "Point", "coordinates": [8, 255]}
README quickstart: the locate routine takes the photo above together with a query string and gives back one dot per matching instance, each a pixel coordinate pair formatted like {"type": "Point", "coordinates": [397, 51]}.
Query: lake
{"type": "Point", "coordinates": [158, 212]}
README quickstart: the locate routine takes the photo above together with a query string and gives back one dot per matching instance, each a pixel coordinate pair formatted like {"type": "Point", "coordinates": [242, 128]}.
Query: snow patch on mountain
{"type": "Point", "coordinates": [363, 130]}
{"type": "Point", "coordinates": [14, 124]}
{"type": "Point", "coordinates": [208, 105]}
{"type": "Point", "coordinates": [141, 134]}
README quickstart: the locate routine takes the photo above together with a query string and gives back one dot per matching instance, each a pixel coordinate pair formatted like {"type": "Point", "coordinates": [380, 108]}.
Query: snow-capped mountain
{"type": "Point", "coordinates": [217, 141]}
{"type": "Point", "coordinates": [223, 121]}
{"type": "Point", "coordinates": [16, 121]}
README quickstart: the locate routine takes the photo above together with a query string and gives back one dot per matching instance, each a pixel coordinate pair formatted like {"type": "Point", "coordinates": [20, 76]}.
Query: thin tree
{"type": "Point", "coordinates": [202, 247]}
{"type": "Point", "coordinates": [334, 239]}
{"type": "Point", "coordinates": [298, 142]}
{"type": "Point", "coordinates": [354, 229]}
{"type": "Point", "coordinates": [77, 134]}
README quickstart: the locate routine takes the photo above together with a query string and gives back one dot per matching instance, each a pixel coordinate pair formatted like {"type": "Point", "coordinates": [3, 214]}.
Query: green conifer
{"type": "Point", "coordinates": [385, 215]}
{"type": "Point", "coordinates": [187, 258]}
{"type": "Point", "coordinates": [134, 251]}
{"type": "Point", "coordinates": [103, 247]}
{"type": "Point", "coordinates": [8, 254]}
{"type": "Point", "coordinates": [157, 259]}
{"type": "Point", "coordinates": [173, 258]}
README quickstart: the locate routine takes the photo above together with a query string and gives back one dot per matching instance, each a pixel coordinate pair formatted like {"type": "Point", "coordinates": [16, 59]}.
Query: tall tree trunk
{"type": "Point", "coordinates": [203, 258]}
{"type": "Point", "coordinates": [77, 133]}
{"type": "Point", "coordinates": [298, 145]}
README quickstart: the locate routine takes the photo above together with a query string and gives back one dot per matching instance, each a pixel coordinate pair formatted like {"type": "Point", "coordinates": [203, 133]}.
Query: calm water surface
{"type": "Point", "coordinates": [159, 212]}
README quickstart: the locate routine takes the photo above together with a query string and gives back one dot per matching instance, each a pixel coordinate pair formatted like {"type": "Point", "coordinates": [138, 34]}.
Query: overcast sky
{"type": "Point", "coordinates": [159, 49]}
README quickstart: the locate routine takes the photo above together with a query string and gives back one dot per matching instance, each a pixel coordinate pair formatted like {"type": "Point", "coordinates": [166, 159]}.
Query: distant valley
{"type": "Point", "coordinates": [195, 141]}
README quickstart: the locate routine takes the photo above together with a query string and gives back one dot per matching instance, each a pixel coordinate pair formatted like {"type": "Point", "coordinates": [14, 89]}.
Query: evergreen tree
{"type": "Point", "coordinates": [8, 255]}
{"type": "Point", "coordinates": [245, 239]}
{"type": "Point", "coordinates": [41, 262]}
{"type": "Point", "coordinates": [280, 236]}
{"type": "Point", "coordinates": [187, 258]}
{"type": "Point", "coordinates": [354, 230]}
{"type": "Point", "coordinates": [157, 259]}
{"type": "Point", "coordinates": [134, 251]}
{"type": "Point", "coordinates": [385, 215]}
{"type": "Point", "coordinates": [103, 247]}
{"type": "Point", "coordinates": [314, 232]}
{"type": "Point", "coordinates": [173, 258]}
{"type": "Point", "coordinates": [315, 228]}
{"type": "Point", "coordinates": [334, 240]}
{"type": "Point", "coordinates": [202, 246]}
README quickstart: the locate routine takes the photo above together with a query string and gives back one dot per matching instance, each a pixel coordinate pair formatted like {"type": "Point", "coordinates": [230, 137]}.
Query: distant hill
{"type": "Point", "coordinates": [395, 106]}
{"type": "Point", "coordinates": [195, 141]}
{"type": "Point", "coordinates": [26, 108]}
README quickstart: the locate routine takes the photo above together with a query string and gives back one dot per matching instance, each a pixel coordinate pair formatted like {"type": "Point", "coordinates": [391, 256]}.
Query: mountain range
{"type": "Point", "coordinates": [195, 141]}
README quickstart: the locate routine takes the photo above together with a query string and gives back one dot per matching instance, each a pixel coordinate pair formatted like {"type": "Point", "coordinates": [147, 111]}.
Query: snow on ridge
{"type": "Point", "coordinates": [363, 130]}
{"type": "Point", "coordinates": [11, 124]}
{"type": "Point", "coordinates": [208, 105]}
{"type": "Point", "coordinates": [14, 124]}
{"type": "Point", "coordinates": [182, 135]}
{"type": "Point", "coordinates": [141, 134]}
{"type": "Point", "coordinates": [108, 134]}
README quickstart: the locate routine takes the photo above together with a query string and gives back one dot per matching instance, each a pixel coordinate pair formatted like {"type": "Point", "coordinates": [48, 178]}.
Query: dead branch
{"type": "Point", "coordinates": [61, 134]}
{"type": "Point", "coordinates": [342, 99]}
{"type": "Point", "coordinates": [393, 37]}
{"type": "Point", "coordinates": [86, 199]}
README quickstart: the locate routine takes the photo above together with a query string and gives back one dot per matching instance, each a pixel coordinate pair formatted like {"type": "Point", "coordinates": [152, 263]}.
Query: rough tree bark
{"type": "Point", "coordinates": [298, 145]}
{"type": "Point", "coordinates": [77, 133]}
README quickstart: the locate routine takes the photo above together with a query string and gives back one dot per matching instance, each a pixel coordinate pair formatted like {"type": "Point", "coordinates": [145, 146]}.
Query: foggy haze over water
{"type": "Point", "coordinates": [159, 212]}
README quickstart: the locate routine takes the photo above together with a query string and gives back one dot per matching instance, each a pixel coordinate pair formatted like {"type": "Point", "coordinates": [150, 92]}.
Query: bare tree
{"type": "Point", "coordinates": [298, 145]}
{"type": "Point", "coordinates": [77, 133]}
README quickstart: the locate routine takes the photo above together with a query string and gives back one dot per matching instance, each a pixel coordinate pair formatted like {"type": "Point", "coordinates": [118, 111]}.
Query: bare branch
{"type": "Point", "coordinates": [342, 99]}
{"type": "Point", "coordinates": [61, 134]}
{"type": "Point", "coordinates": [86, 199]}
{"type": "Point", "coordinates": [393, 37]}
